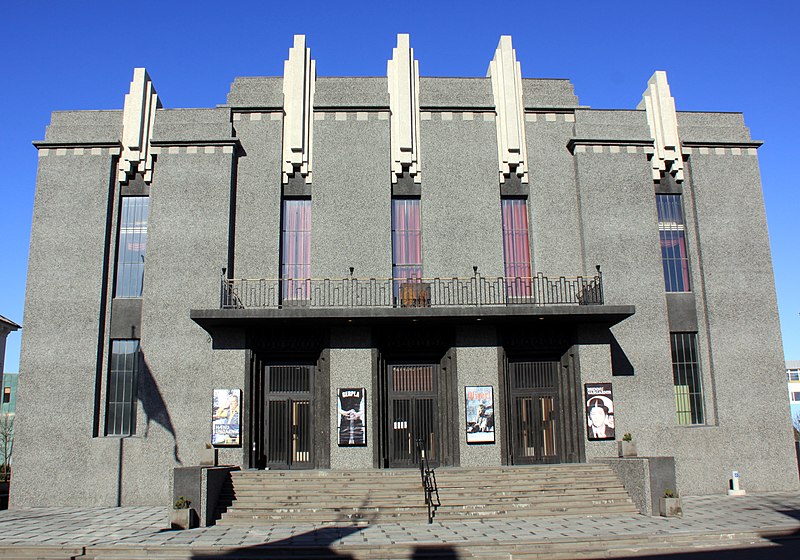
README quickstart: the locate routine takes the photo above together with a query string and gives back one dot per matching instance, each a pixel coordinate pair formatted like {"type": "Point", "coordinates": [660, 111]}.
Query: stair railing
{"type": "Point", "coordinates": [429, 485]}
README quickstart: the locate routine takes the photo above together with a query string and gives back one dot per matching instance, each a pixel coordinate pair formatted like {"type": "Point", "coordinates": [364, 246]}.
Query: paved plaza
{"type": "Point", "coordinates": [768, 522]}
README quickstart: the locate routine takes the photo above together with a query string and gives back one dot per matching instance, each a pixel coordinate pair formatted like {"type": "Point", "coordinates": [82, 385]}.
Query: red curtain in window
{"type": "Point", "coordinates": [296, 269]}
{"type": "Point", "coordinates": [516, 248]}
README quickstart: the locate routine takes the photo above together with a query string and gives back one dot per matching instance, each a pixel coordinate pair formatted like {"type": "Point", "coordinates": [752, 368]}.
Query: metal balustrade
{"type": "Point", "coordinates": [477, 290]}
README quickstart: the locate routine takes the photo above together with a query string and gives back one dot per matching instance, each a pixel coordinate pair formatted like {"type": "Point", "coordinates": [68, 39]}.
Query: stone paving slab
{"type": "Point", "coordinates": [146, 527]}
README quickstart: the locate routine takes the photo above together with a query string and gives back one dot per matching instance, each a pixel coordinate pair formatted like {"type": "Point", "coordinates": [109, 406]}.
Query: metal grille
{"type": "Point", "coordinates": [288, 430]}
{"type": "Point", "coordinates": [412, 379]}
{"type": "Point", "coordinates": [289, 379]}
{"type": "Point", "coordinates": [245, 293]}
{"type": "Point", "coordinates": [534, 375]}
{"type": "Point", "coordinates": [534, 408]}
{"type": "Point", "coordinates": [687, 379]}
{"type": "Point", "coordinates": [413, 414]}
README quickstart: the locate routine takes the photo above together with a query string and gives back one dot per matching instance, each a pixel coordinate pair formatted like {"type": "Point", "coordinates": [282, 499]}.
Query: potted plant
{"type": "Point", "coordinates": [181, 516]}
{"type": "Point", "coordinates": [626, 447]}
{"type": "Point", "coordinates": [208, 456]}
{"type": "Point", "coordinates": [670, 504]}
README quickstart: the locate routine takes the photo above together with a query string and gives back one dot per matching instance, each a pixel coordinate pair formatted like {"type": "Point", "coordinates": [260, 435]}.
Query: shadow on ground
{"type": "Point", "coordinates": [316, 544]}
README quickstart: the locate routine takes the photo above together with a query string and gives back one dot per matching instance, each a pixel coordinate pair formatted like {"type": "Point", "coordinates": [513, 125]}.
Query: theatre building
{"type": "Point", "coordinates": [322, 271]}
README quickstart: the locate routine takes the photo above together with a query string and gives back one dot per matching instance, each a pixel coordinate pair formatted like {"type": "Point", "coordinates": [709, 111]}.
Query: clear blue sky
{"type": "Point", "coordinates": [719, 56]}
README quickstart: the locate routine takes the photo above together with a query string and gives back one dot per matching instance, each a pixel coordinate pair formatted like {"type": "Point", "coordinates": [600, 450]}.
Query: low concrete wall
{"type": "Point", "coordinates": [202, 486]}
{"type": "Point", "coordinates": [645, 479]}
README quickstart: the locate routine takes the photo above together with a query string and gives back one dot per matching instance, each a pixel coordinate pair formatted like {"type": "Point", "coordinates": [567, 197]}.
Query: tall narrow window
{"type": "Point", "coordinates": [123, 374]}
{"type": "Point", "coordinates": [131, 246]}
{"type": "Point", "coordinates": [516, 249]}
{"type": "Point", "coordinates": [296, 249]}
{"type": "Point", "coordinates": [671, 231]}
{"type": "Point", "coordinates": [406, 242]}
{"type": "Point", "coordinates": [687, 378]}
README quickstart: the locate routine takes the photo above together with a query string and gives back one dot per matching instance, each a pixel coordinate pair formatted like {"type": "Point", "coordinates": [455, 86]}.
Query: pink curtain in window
{"type": "Point", "coordinates": [406, 239]}
{"type": "Point", "coordinates": [516, 248]}
{"type": "Point", "coordinates": [296, 271]}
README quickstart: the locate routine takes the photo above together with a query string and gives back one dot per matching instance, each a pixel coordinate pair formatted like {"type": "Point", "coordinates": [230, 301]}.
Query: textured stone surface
{"type": "Point", "coordinates": [347, 92]}
{"type": "Point", "coordinates": [52, 438]}
{"type": "Point", "coordinates": [84, 126]}
{"type": "Point", "coordinates": [176, 125]}
{"type": "Point", "coordinates": [351, 367]}
{"type": "Point", "coordinates": [460, 199]}
{"type": "Point", "coordinates": [466, 93]}
{"type": "Point", "coordinates": [477, 366]}
{"type": "Point", "coordinates": [351, 209]}
{"type": "Point", "coordinates": [256, 92]}
{"type": "Point", "coordinates": [539, 93]}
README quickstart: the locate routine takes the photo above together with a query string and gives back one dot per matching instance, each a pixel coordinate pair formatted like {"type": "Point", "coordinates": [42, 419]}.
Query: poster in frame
{"type": "Point", "coordinates": [226, 414]}
{"type": "Point", "coordinates": [599, 401]}
{"type": "Point", "coordinates": [479, 411]}
{"type": "Point", "coordinates": [352, 417]}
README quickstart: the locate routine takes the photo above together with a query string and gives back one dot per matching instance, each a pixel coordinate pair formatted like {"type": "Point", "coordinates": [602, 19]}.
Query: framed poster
{"type": "Point", "coordinates": [352, 406]}
{"type": "Point", "coordinates": [480, 414]}
{"type": "Point", "coordinates": [225, 429]}
{"type": "Point", "coordinates": [599, 411]}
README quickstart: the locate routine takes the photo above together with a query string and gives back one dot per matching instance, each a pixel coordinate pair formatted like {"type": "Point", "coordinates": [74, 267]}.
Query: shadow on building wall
{"type": "Point", "coordinates": [154, 407]}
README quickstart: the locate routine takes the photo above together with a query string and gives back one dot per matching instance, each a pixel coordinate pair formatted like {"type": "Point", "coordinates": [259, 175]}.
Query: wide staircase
{"type": "Point", "coordinates": [385, 496]}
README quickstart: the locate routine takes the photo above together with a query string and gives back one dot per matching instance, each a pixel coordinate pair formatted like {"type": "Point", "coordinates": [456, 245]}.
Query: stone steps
{"type": "Point", "coordinates": [379, 496]}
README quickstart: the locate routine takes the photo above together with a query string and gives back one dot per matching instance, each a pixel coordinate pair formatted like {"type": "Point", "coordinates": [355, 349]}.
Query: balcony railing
{"type": "Point", "coordinates": [244, 293]}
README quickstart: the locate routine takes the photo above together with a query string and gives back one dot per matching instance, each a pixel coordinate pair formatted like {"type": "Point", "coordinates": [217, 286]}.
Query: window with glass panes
{"type": "Point", "coordinates": [131, 245]}
{"type": "Point", "coordinates": [123, 373]}
{"type": "Point", "coordinates": [516, 248]}
{"type": "Point", "coordinates": [687, 379]}
{"type": "Point", "coordinates": [406, 240]}
{"type": "Point", "coordinates": [296, 249]}
{"type": "Point", "coordinates": [672, 234]}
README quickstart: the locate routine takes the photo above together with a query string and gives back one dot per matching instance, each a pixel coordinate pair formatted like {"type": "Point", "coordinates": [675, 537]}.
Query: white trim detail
{"type": "Point", "coordinates": [663, 123]}
{"type": "Point", "coordinates": [402, 72]}
{"type": "Point", "coordinates": [138, 118]}
{"type": "Point", "coordinates": [299, 79]}
{"type": "Point", "coordinates": [506, 75]}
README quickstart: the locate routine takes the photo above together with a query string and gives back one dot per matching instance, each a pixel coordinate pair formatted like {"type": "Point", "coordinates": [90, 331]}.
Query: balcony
{"type": "Point", "coordinates": [475, 291]}
{"type": "Point", "coordinates": [260, 303]}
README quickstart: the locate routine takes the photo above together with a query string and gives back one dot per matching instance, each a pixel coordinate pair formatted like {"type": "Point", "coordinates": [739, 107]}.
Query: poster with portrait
{"type": "Point", "coordinates": [599, 411]}
{"type": "Point", "coordinates": [480, 414]}
{"type": "Point", "coordinates": [352, 406]}
{"type": "Point", "coordinates": [225, 428]}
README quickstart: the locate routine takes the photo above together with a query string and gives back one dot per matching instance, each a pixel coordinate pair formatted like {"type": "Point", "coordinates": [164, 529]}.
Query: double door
{"type": "Point", "coordinates": [413, 414]}
{"type": "Point", "coordinates": [288, 417]}
{"type": "Point", "coordinates": [533, 403]}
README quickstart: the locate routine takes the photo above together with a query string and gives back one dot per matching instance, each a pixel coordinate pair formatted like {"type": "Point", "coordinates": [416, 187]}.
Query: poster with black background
{"type": "Point", "coordinates": [352, 406]}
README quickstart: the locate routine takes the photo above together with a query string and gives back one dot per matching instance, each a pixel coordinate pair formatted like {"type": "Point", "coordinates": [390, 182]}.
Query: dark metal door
{"type": "Point", "coordinates": [412, 414]}
{"type": "Point", "coordinates": [533, 388]}
{"type": "Point", "coordinates": [288, 426]}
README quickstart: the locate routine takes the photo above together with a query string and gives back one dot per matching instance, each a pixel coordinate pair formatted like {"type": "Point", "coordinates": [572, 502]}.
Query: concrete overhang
{"type": "Point", "coordinates": [605, 315]}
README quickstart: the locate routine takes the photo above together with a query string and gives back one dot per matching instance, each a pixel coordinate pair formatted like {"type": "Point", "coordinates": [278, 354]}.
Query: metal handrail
{"type": "Point", "coordinates": [476, 290]}
{"type": "Point", "coordinates": [428, 478]}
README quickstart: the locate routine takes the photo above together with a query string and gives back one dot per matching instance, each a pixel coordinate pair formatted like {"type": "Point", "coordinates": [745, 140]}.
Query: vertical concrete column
{"type": "Point", "coordinates": [351, 366]}
{"type": "Point", "coordinates": [594, 355]}
{"type": "Point", "coordinates": [228, 371]}
{"type": "Point", "coordinates": [477, 364]}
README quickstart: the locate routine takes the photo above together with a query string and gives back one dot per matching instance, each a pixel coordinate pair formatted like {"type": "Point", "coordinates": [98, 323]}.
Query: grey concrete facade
{"type": "Point", "coordinates": [215, 202]}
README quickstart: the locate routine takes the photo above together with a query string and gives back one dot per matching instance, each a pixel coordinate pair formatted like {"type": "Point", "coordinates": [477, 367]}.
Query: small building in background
{"type": "Point", "coordinates": [793, 381]}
